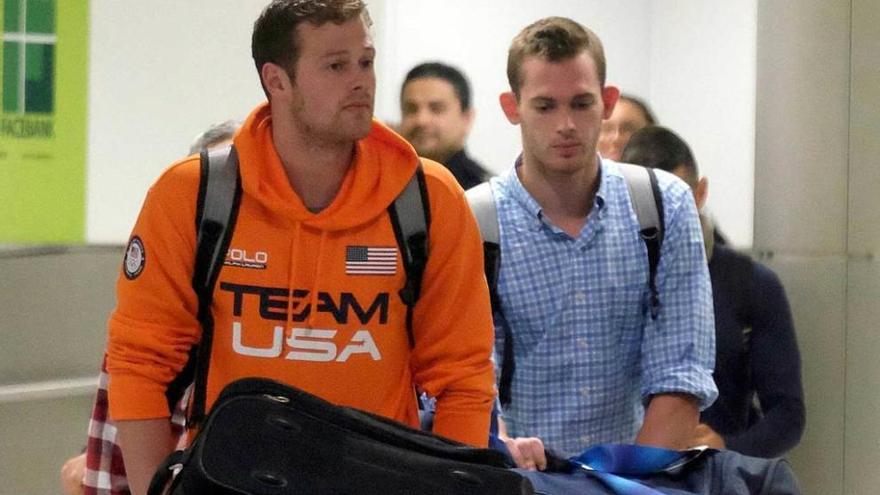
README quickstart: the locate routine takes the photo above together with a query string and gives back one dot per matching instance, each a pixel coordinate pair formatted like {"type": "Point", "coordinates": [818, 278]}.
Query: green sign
{"type": "Point", "coordinates": [43, 122]}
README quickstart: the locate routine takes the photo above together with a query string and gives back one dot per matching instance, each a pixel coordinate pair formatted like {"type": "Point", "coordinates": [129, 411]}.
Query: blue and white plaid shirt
{"type": "Point", "coordinates": [587, 351]}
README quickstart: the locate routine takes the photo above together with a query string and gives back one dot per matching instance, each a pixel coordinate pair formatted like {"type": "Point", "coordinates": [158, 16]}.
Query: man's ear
{"type": "Point", "coordinates": [701, 192]}
{"type": "Point", "coordinates": [510, 107]}
{"type": "Point", "coordinates": [610, 95]}
{"type": "Point", "coordinates": [275, 79]}
{"type": "Point", "coordinates": [469, 118]}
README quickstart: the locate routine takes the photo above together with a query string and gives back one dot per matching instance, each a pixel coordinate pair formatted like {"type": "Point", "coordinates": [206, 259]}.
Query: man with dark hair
{"type": "Point", "coordinates": [756, 348]}
{"type": "Point", "coordinates": [630, 114]}
{"type": "Point", "coordinates": [573, 283]}
{"type": "Point", "coordinates": [322, 308]}
{"type": "Point", "coordinates": [436, 117]}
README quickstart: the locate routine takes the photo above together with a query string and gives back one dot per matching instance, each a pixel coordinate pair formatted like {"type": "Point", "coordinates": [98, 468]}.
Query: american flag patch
{"type": "Point", "coordinates": [370, 260]}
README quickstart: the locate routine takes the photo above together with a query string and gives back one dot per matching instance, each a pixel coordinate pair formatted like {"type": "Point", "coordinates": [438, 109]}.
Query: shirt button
{"type": "Point", "coordinates": [582, 343]}
{"type": "Point", "coordinates": [585, 391]}
{"type": "Point", "coordinates": [586, 439]}
{"type": "Point", "coordinates": [580, 296]}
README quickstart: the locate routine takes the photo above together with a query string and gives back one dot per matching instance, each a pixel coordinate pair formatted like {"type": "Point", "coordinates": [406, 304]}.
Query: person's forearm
{"type": "Point", "coordinates": [670, 420]}
{"type": "Point", "coordinates": [144, 444]}
{"type": "Point", "coordinates": [775, 434]}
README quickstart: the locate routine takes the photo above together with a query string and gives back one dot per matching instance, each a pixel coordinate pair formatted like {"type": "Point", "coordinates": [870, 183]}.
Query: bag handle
{"type": "Point", "coordinates": [165, 473]}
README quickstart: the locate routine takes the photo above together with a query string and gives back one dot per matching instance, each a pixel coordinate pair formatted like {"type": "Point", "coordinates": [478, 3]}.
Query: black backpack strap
{"type": "Point", "coordinates": [647, 203]}
{"type": "Point", "coordinates": [216, 213]}
{"type": "Point", "coordinates": [482, 203]}
{"type": "Point", "coordinates": [411, 218]}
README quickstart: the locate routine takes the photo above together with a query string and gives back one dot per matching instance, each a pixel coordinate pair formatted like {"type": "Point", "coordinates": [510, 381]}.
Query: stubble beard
{"type": "Point", "coordinates": [333, 133]}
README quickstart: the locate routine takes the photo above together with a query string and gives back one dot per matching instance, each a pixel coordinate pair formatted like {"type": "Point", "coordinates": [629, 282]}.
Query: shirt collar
{"type": "Point", "coordinates": [522, 197]}
{"type": "Point", "coordinates": [519, 193]}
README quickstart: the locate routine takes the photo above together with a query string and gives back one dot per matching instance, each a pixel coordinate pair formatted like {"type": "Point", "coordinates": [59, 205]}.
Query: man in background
{"type": "Point", "coordinates": [630, 114]}
{"type": "Point", "coordinates": [436, 117]}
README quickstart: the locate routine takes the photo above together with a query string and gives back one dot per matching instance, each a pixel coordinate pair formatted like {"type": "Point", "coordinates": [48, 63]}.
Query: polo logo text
{"type": "Point", "coordinates": [258, 260]}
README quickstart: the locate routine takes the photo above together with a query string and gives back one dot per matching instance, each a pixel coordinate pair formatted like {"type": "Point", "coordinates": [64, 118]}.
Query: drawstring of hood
{"type": "Point", "coordinates": [291, 272]}
{"type": "Point", "coordinates": [294, 268]}
{"type": "Point", "coordinates": [316, 278]}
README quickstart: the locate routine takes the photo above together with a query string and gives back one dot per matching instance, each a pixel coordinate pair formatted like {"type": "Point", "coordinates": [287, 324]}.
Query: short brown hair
{"type": "Point", "coordinates": [274, 38]}
{"type": "Point", "coordinates": [553, 39]}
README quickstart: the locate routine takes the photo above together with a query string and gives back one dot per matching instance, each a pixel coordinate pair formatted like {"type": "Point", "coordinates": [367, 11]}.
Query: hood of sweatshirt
{"type": "Point", "coordinates": [383, 164]}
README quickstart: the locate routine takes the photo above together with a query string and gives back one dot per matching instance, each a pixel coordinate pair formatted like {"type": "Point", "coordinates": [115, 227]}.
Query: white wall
{"type": "Point", "coordinates": [702, 85]}
{"type": "Point", "coordinates": [162, 71]}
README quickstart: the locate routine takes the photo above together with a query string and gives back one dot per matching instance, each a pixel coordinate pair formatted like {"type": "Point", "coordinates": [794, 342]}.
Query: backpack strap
{"type": "Point", "coordinates": [411, 218]}
{"type": "Point", "coordinates": [482, 202]}
{"type": "Point", "coordinates": [647, 201]}
{"type": "Point", "coordinates": [216, 213]}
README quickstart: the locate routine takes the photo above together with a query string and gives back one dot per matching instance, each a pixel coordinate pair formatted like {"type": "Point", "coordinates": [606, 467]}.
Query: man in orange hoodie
{"type": "Point", "coordinates": [318, 174]}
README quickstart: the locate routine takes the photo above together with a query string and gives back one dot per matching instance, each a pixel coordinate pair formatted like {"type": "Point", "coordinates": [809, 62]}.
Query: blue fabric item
{"type": "Point", "coordinates": [587, 352]}
{"type": "Point", "coordinates": [715, 472]}
{"type": "Point", "coordinates": [582, 483]}
{"type": "Point", "coordinates": [611, 462]}
{"type": "Point", "coordinates": [629, 459]}
{"type": "Point", "coordinates": [623, 486]}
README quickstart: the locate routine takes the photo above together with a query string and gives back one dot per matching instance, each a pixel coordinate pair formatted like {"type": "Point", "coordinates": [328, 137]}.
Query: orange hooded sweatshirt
{"type": "Point", "coordinates": [291, 302]}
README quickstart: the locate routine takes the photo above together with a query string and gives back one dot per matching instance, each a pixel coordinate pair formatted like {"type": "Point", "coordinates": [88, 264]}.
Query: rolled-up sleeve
{"type": "Point", "coordinates": [678, 348]}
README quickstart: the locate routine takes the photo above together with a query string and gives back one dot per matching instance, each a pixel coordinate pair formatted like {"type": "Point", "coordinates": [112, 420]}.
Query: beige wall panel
{"type": "Point", "coordinates": [863, 311]}
{"type": "Point", "coordinates": [817, 292]}
{"type": "Point", "coordinates": [863, 379]}
{"type": "Point", "coordinates": [864, 166]}
{"type": "Point", "coordinates": [802, 119]}
{"type": "Point", "coordinates": [55, 309]}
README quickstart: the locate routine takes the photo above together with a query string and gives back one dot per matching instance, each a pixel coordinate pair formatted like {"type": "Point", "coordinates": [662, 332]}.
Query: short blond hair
{"type": "Point", "coordinates": [552, 39]}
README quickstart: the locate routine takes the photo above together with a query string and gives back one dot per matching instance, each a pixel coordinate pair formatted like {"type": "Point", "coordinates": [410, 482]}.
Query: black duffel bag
{"type": "Point", "coordinates": [263, 437]}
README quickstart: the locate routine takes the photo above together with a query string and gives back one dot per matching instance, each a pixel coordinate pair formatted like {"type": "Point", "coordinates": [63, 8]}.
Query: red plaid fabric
{"type": "Point", "coordinates": [105, 471]}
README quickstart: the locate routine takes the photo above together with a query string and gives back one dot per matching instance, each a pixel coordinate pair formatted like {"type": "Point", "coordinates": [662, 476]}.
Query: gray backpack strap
{"type": "Point", "coordinates": [647, 202]}
{"type": "Point", "coordinates": [482, 202]}
{"type": "Point", "coordinates": [638, 181]}
{"type": "Point", "coordinates": [410, 219]}
{"type": "Point", "coordinates": [216, 213]}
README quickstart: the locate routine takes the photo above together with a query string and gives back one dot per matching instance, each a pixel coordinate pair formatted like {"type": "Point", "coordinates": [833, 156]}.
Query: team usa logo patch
{"type": "Point", "coordinates": [135, 258]}
{"type": "Point", "coordinates": [370, 260]}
